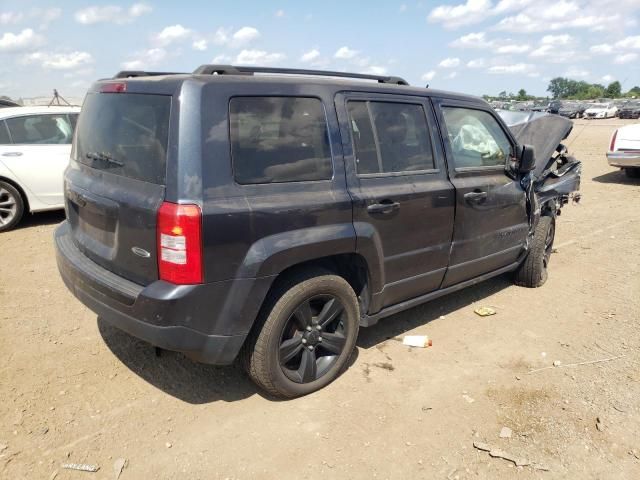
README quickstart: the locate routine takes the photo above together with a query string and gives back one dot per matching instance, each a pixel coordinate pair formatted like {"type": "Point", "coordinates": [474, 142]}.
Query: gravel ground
{"type": "Point", "coordinates": [75, 390]}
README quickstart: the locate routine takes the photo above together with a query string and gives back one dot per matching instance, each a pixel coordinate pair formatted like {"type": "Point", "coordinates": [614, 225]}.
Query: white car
{"type": "Point", "coordinates": [35, 144]}
{"type": "Point", "coordinates": [601, 110]}
{"type": "Point", "coordinates": [624, 150]}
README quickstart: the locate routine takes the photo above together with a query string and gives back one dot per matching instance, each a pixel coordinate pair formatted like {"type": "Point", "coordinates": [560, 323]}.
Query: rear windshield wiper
{"type": "Point", "coordinates": [105, 157]}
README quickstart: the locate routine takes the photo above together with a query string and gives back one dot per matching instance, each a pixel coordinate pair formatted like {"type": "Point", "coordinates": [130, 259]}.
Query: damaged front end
{"type": "Point", "coordinates": [555, 180]}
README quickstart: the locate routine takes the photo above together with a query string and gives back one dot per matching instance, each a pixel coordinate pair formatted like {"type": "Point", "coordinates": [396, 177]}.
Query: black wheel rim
{"type": "Point", "coordinates": [313, 339]}
{"type": "Point", "coordinates": [548, 244]}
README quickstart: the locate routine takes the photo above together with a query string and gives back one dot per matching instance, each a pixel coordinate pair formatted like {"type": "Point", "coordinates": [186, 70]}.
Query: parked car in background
{"type": "Point", "coordinates": [630, 109]}
{"type": "Point", "coordinates": [601, 110]}
{"type": "Point", "coordinates": [572, 109]}
{"type": "Point", "coordinates": [624, 150]}
{"type": "Point", "coordinates": [5, 102]}
{"type": "Point", "coordinates": [270, 216]}
{"type": "Point", "coordinates": [35, 143]}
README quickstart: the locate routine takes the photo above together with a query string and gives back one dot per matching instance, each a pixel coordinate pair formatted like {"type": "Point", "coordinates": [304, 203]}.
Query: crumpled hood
{"type": "Point", "coordinates": [543, 131]}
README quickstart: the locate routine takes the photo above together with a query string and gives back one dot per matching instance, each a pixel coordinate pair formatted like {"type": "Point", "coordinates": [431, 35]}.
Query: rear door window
{"type": "Point", "coordinates": [45, 129]}
{"type": "Point", "coordinates": [390, 137]}
{"type": "Point", "coordinates": [4, 134]}
{"type": "Point", "coordinates": [279, 139]}
{"type": "Point", "coordinates": [125, 134]}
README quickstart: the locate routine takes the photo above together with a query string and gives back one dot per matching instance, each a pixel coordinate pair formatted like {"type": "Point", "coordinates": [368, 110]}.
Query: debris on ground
{"type": "Point", "coordinates": [505, 432]}
{"type": "Point", "coordinates": [168, 445]}
{"type": "Point", "coordinates": [499, 453]}
{"type": "Point", "coordinates": [420, 341]}
{"type": "Point", "coordinates": [82, 467]}
{"type": "Point", "coordinates": [557, 363]}
{"type": "Point", "coordinates": [118, 466]}
{"type": "Point", "coordinates": [590, 362]}
{"type": "Point", "coordinates": [485, 311]}
{"type": "Point", "coordinates": [468, 398]}
{"type": "Point", "coordinates": [599, 424]}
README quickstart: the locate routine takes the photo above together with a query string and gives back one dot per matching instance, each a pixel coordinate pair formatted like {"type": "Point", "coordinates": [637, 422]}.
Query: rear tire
{"type": "Point", "coordinates": [11, 206]}
{"type": "Point", "coordinates": [307, 333]}
{"type": "Point", "coordinates": [632, 172]}
{"type": "Point", "coordinates": [532, 273]}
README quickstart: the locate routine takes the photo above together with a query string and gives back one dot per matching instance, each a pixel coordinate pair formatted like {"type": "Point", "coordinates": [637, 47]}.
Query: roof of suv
{"type": "Point", "coordinates": [341, 80]}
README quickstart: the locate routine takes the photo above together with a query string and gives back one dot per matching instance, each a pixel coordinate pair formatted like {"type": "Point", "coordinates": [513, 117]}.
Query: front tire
{"type": "Point", "coordinates": [11, 206]}
{"type": "Point", "coordinates": [307, 337]}
{"type": "Point", "coordinates": [532, 273]}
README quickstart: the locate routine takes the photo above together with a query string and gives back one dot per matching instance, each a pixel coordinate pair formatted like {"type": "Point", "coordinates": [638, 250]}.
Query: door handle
{"type": "Point", "coordinates": [384, 207]}
{"type": "Point", "coordinates": [475, 197]}
{"type": "Point", "coordinates": [12, 154]}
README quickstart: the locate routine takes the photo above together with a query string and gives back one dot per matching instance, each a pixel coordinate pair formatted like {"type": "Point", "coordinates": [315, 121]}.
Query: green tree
{"type": "Point", "coordinates": [614, 90]}
{"type": "Point", "coordinates": [522, 94]}
{"type": "Point", "coordinates": [635, 91]}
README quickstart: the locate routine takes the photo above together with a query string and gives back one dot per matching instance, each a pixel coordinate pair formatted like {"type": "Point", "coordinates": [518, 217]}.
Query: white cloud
{"type": "Point", "coordinates": [451, 76]}
{"type": "Point", "coordinates": [258, 57]}
{"type": "Point", "coordinates": [625, 58]}
{"type": "Point", "coordinates": [428, 76]}
{"type": "Point", "coordinates": [608, 78]}
{"type": "Point", "coordinates": [26, 40]}
{"type": "Point", "coordinates": [629, 42]}
{"type": "Point", "coordinates": [171, 34]}
{"type": "Point", "coordinates": [449, 63]}
{"type": "Point", "coordinates": [453, 16]}
{"type": "Point", "coordinates": [376, 70]}
{"type": "Point", "coordinates": [512, 48]}
{"type": "Point", "coordinates": [200, 45]}
{"type": "Point", "coordinates": [60, 61]}
{"type": "Point", "coordinates": [221, 59]}
{"type": "Point", "coordinates": [556, 40]}
{"type": "Point", "coordinates": [542, 51]}
{"type": "Point", "coordinates": [7, 18]}
{"type": "Point", "coordinates": [345, 53]}
{"type": "Point", "coordinates": [472, 40]}
{"type": "Point", "coordinates": [511, 68]}
{"type": "Point", "coordinates": [602, 48]}
{"type": "Point", "coordinates": [280, 13]}
{"type": "Point", "coordinates": [145, 59]}
{"type": "Point", "coordinates": [310, 56]}
{"type": "Point", "coordinates": [576, 72]}
{"type": "Point", "coordinates": [111, 14]}
{"type": "Point", "coordinates": [237, 39]}
{"type": "Point", "coordinates": [244, 36]}
{"type": "Point", "coordinates": [476, 63]}
{"type": "Point", "coordinates": [46, 15]}
{"type": "Point", "coordinates": [504, 6]}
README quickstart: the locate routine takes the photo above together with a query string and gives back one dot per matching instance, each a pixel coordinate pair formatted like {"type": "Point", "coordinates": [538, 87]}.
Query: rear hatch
{"type": "Point", "coordinates": [116, 182]}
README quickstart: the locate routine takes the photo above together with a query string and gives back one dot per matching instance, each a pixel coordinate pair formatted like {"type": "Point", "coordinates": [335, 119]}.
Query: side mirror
{"type": "Point", "coordinates": [527, 159]}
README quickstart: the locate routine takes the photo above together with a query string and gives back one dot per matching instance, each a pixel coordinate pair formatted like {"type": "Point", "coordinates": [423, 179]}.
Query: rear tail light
{"type": "Point", "coordinates": [180, 243]}
{"type": "Point", "coordinates": [113, 87]}
{"type": "Point", "coordinates": [613, 141]}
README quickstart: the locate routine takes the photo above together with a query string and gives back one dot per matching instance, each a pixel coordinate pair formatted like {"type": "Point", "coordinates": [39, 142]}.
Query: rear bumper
{"type": "Point", "coordinates": [208, 322]}
{"type": "Point", "coordinates": [624, 159]}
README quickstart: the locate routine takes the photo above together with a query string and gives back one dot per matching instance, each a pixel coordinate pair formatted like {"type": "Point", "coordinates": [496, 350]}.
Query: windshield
{"type": "Point", "coordinates": [125, 134]}
{"type": "Point", "coordinates": [599, 105]}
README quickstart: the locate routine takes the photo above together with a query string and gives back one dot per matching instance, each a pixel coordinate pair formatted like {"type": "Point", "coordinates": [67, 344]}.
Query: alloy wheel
{"type": "Point", "coordinates": [8, 207]}
{"type": "Point", "coordinates": [313, 339]}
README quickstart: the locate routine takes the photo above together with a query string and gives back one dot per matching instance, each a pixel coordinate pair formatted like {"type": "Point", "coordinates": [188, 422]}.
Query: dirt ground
{"type": "Point", "coordinates": [74, 390]}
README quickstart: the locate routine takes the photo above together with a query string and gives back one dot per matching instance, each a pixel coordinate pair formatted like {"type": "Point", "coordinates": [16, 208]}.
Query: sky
{"type": "Point", "coordinates": [471, 46]}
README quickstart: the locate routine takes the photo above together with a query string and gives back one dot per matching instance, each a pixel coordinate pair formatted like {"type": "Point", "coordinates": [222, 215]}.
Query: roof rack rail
{"type": "Point", "coordinates": [140, 73]}
{"type": "Point", "coordinates": [234, 70]}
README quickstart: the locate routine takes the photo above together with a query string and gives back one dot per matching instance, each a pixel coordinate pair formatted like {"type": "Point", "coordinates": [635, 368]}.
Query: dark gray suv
{"type": "Point", "coordinates": [267, 214]}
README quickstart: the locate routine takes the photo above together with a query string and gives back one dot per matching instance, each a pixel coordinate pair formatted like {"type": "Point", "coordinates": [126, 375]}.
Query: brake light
{"type": "Point", "coordinates": [613, 141]}
{"type": "Point", "coordinates": [113, 88]}
{"type": "Point", "coordinates": [179, 230]}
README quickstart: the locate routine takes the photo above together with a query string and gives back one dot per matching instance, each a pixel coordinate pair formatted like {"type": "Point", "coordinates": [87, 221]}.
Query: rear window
{"type": "Point", "coordinates": [125, 134]}
{"type": "Point", "coordinates": [279, 139]}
